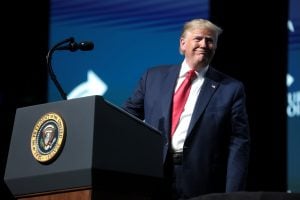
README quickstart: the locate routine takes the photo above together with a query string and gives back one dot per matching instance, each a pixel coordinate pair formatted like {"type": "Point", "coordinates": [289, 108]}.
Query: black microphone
{"type": "Point", "coordinates": [74, 46]}
{"type": "Point", "coordinates": [71, 46]}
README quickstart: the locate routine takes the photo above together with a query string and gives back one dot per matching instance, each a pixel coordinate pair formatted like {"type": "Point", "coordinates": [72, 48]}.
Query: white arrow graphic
{"type": "Point", "coordinates": [290, 26]}
{"type": "Point", "coordinates": [93, 86]}
{"type": "Point", "coordinates": [289, 80]}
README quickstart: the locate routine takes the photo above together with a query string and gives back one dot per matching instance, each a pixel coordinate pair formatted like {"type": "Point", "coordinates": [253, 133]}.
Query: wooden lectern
{"type": "Point", "coordinates": [85, 149]}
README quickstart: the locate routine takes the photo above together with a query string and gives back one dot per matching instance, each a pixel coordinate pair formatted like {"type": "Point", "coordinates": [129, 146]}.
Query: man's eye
{"type": "Point", "coordinates": [209, 40]}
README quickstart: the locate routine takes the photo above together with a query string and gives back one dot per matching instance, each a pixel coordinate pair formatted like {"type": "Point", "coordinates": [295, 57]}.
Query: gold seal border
{"type": "Point", "coordinates": [44, 158]}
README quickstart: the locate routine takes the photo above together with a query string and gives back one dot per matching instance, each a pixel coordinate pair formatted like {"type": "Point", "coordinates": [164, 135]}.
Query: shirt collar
{"type": "Point", "coordinates": [185, 68]}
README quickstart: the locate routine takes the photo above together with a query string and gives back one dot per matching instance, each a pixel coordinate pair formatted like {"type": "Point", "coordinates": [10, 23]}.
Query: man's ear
{"type": "Point", "coordinates": [182, 44]}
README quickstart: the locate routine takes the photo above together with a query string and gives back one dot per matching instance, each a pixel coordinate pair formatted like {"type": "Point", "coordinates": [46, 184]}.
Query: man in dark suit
{"type": "Point", "coordinates": [208, 151]}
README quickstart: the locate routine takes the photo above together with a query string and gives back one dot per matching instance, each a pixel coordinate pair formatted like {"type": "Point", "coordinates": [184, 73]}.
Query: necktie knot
{"type": "Point", "coordinates": [191, 74]}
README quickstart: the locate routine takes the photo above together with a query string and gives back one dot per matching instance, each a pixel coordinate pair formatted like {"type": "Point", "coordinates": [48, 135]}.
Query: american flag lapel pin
{"type": "Point", "coordinates": [213, 86]}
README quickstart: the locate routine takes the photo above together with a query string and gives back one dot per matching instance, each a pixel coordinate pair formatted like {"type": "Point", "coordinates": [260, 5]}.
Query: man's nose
{"type": "Point", "coordinates": [203, 43]}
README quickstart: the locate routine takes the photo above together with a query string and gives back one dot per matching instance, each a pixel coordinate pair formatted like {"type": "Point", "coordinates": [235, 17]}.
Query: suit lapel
{"type": "Point", "coordinates": [208, 89]}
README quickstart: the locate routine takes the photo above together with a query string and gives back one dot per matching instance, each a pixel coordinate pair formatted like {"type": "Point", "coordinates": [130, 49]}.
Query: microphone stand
{"type": "Point", "coordinates": [49, 65]}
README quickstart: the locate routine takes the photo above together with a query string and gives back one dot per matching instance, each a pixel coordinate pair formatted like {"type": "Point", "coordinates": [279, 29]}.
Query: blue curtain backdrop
{"type": "Point", "coordinates": [129, 36]}
{"type": "Point", "coordinates": [293, 97]}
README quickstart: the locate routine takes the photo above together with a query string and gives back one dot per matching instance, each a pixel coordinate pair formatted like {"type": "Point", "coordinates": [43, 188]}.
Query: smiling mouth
{"type": "Point", "coordinates": [201, 52]}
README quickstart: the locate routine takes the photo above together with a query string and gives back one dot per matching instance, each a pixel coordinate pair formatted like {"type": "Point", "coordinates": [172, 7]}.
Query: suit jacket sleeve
{"type": "Point", "coordinates": [135, 103]}
{"type": "Point", "coordinates": [239, 148]}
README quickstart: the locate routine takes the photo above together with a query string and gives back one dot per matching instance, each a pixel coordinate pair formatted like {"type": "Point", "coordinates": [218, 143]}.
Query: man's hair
{"type": "Point", "coordinates": [200, 24]}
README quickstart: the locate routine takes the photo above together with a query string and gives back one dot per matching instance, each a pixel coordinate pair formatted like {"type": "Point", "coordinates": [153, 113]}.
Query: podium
{"type": "Point", "coordinates": [98, 152]}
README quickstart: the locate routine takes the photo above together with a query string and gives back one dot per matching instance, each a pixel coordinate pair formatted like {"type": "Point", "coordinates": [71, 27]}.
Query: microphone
{"type": "Point", "coordinates": [74, 46]}
{"type": "Point", "coordinates": [71, 46]}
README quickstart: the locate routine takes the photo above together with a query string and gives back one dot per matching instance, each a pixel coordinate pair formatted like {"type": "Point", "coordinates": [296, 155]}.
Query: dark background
{"type": "Point", "coordinates": [252, 48]}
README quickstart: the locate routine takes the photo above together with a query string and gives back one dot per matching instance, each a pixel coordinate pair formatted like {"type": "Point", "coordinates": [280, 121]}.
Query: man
{"type": "Point", "coordinates": [208, 149]}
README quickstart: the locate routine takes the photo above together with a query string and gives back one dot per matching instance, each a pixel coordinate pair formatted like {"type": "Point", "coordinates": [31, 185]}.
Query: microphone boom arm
{"type": "Point", "coordinates": [72, 46]}
{"type": "Point", "coordinates": [50, 69]}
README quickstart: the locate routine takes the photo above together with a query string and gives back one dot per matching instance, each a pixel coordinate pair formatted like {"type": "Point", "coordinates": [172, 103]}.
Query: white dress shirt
{"type": "Point", "coordinates": [185, 118]}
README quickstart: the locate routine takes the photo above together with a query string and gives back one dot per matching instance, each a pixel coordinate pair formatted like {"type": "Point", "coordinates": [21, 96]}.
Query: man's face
{"type": "Point", "coordinates": [199, 47]}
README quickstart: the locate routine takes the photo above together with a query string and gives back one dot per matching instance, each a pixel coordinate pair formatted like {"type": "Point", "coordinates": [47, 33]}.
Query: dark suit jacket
{"type": "Point", "coordinates": [216, 149]}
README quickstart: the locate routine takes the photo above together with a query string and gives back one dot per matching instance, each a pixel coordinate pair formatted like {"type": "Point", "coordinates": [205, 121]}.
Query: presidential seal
{"type": "Point", "coordinates": [48, 137]}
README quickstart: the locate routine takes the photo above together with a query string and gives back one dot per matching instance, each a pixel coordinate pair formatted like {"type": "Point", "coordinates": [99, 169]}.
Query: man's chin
{"type": "Point", "coordinates": [202, 61]}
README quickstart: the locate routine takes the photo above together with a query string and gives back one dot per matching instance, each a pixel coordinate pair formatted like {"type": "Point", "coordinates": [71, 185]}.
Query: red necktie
{"type": "Point", "coordinates": [180, 97]}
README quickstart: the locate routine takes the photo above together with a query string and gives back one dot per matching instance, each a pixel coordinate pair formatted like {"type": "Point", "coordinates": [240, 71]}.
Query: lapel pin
{"type": "Point", "coordinates": [213, 86]}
